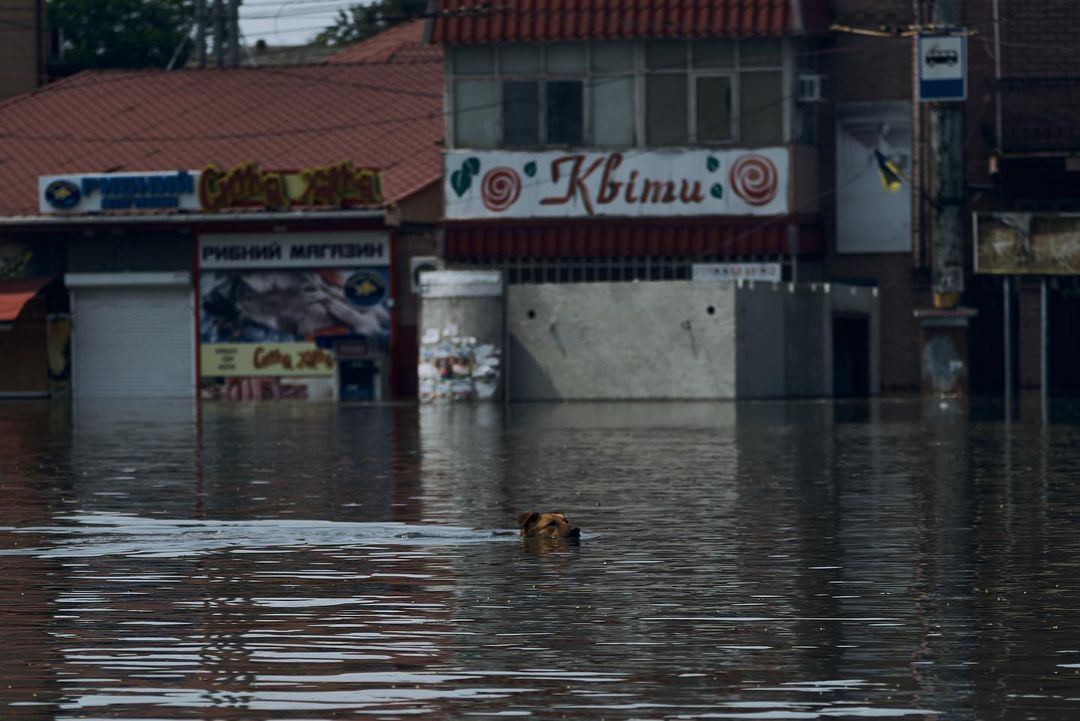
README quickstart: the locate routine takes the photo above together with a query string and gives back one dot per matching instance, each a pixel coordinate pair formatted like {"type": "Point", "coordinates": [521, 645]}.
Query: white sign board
{"type": "Point", "coordinates": [942, 67]}
{"type": "Point", "coordinates": [559, 184]}
{"type": "Point", "coordinates": [95, 192]}
{"type": "Point", "coordinates": [767, 272]}
{"type": "Point", "coordinates": [293, 250]}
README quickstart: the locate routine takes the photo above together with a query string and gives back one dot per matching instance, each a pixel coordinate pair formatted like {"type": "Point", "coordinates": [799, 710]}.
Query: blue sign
{"type": "Point", "coordinates": [942, 68]}
{"type": "Point", "coordinates": [88, 193]}
{"type": "Point", "coordinates": [62, 194]}
{"type": "Point", "coordinates": [365, 288]}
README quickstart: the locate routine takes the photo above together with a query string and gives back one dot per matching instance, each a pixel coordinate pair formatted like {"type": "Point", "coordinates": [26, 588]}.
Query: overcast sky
{"type": "Point", "coordinates": [288, 22]}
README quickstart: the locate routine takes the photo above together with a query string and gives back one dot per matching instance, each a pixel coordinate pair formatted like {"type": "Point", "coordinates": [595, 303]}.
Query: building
{"type": "Point", "coordinates": [1024, 186]}
{"type": "Point", "coordinates": [240, 233]}
{"type": "Point", "coordinates": [24, 38]}
{"type": "Point", "coordinates": [599, 144]}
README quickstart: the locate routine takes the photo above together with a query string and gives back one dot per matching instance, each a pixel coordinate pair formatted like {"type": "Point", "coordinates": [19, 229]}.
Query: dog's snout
{"type": "Point", "coordinates": [574, 532]}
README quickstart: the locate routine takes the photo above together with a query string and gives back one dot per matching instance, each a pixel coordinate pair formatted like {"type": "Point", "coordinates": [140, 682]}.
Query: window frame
{"type": "Point", "coordinates": [638, 72]}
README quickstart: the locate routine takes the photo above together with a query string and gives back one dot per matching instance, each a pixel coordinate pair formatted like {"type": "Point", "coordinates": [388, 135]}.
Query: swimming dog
{"type": "Point", "coordinates": [554, 526]}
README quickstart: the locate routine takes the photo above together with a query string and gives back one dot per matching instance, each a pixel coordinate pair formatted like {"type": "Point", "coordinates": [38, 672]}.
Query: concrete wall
{"type": "Point", "coordinates": [679, 340]}
{"type": "Point", "coordinates": [656, 340]}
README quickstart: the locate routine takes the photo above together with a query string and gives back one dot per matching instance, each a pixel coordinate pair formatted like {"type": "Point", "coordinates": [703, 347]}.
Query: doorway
{"type": "Point", "coordinates": [851, 356]}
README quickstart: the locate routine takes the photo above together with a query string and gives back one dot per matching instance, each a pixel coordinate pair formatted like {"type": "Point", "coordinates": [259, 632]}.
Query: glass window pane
{"type": "Point", "coordinates": [564, 112]}
{"type": "Point", "coordinates": [714, 53]}
{"type": "Point", "coordinates": [713, 109]}
{"type": "Point", "coordinates": [519, 59]}
{"type": "Point", "coordinates": [760, 52]}
{"type": "Point", "coordinates": [665, 109]}
{"type": "Point", "coordinates": [608, 57]}
{"type": "Point", "coordinates": [665, 55]}
{"type": "Point", "coordinates": [474, 60]}
{"type": "Point", "coordinates": [521, 112]}
{"type": "Point", "coordinates": [475, 114]}
{"type": "Point", "coordinates": [761, 108]}
{"type": "Point", "coordinates": [613, 111]}
{"type": "Point", "coordinates": [566, 58]}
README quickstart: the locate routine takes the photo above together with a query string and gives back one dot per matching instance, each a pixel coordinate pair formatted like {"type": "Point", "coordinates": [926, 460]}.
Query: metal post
{"type": "Point", "coordinates": [947, 186]}
{"type": "Point", "coordinates": [1044, 345]}
{"type": "Point", "coordinates": [200, 32]}
{"type": "Point", "coordinates": [1007, 285]}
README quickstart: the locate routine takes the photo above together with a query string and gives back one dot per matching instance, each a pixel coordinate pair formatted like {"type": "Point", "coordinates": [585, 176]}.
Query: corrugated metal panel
{"type": "Point", "coordinates": [461, 22]}
{"type": "Point", "coordinates": [133, 342]}
{"type": "Point", "coordinates": [628, 240]}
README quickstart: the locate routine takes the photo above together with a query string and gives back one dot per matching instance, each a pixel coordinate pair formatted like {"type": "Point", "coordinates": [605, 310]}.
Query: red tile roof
{"type": "Point", "coordinates": [379, 114]}
{"type": "Point", "coordinates": [481, 21]}
{"type": "Point", "coordinates": [402, 43]}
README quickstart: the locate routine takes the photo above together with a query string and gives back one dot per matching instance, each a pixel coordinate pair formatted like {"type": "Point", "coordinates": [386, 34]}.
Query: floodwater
{"type": "Point", "coordinates": [747, 561]}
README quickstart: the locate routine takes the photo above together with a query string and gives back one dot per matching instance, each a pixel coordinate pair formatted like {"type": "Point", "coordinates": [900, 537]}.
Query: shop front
{"type": "Point", "coordinates": [220, 283]}
{"type": "Point", "coordinates": [303, 315]}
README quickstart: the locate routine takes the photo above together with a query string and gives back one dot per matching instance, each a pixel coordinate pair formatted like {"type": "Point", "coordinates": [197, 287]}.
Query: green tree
{"type": "Point", "coordinates": [359, 22]}
{"type": "Point", "coordinates": [118, 33]}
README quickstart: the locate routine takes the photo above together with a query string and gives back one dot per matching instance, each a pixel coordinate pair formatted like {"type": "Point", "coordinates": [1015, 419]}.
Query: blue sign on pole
{"type": "Point", "coordinates": [942, 68]}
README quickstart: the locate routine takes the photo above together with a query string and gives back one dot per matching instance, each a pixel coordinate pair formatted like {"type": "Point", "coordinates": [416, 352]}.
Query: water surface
{"type": "Point", "coordinates": [751, 560]}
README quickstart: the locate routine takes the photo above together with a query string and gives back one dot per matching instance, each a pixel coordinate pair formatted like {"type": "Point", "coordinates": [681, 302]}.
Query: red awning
{"type": "Point", "coordinates": [458, 22]}
{"type": "Point", "coordinates": [16, 293]}
{"type": "Point", "coordinates": [605, 239]}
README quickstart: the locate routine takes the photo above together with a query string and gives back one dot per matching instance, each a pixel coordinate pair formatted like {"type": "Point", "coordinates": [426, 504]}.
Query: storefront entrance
{"type": "Point", "coordinates": [133, 335]}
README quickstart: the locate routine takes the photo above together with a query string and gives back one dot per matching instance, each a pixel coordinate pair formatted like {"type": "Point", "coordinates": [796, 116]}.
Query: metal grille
{"type": "Point", "coordinates": [603, 270]}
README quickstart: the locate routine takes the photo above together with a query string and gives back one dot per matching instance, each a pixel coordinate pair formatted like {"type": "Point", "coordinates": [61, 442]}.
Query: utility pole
{"type": "Point", "coordinates": [200, 32]}
{"type": "Point", "coordinates": [219, 33]}
{"type": "Point", "coordinates": [947, 186]}
{"type": "Point", "coordinates": [942, 82]}
{"type": "Point", "coordinates": [234, 33]}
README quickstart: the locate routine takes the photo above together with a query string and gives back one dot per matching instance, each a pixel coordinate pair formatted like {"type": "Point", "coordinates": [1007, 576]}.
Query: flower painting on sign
{"type": "Point", "coordinates": [586, 184]}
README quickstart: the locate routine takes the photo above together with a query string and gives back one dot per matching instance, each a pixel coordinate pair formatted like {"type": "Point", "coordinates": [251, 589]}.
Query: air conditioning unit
{"type": "Point", "coordinates": [810, 88]}
{"type": "Point", "coordinates": [422, 264]}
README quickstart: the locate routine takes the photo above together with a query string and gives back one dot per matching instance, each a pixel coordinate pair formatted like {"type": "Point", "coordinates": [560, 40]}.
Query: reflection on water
{"type": "Point", "coordinates": [760, 561]}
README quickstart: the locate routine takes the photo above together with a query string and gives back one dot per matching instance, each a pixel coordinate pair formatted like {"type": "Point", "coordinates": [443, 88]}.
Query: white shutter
{"type": "Point", "coordinates": [133, 342]}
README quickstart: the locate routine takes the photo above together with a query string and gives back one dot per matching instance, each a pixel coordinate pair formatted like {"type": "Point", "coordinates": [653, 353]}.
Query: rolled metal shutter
{"type": "Point", "coordinates": [133, 342]}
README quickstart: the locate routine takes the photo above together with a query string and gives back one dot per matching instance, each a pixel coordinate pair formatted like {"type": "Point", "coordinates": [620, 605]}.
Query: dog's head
{"type": "Point", "coordinates": [547, 525]}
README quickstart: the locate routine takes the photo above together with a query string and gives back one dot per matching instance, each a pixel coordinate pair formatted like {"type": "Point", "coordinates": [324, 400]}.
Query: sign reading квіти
{"type": "Point", "coordinates": [557, 184]}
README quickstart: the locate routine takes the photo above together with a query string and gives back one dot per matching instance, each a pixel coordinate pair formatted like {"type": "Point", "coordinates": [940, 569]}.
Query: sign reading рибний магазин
{"type": "Point", "coordinates": [88, 193]}
{"type": "Point", "coordinates": [560, 184]}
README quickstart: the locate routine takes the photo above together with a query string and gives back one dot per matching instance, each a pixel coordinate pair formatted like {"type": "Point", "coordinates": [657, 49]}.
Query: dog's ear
{"type": "Point", "coordinates": [527, 518]}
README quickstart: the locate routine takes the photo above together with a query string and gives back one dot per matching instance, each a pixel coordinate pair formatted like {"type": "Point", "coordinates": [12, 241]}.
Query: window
{"type": "Point", "coordinates": [761, 100]}
{"type": "Point", "coordinates": [475, 113]}
{"type": "Point", "coordinates": [714, 111]}
{"type": "Point", "coordinates": [565, 122]}
{"type": "Point", "coordinates": [613, 111]}
{"type": "Point", "coordinates": [521, 112]}
{"type": "Point", "coordinates": [665, 111]}
{"type": "Point", "coordinates": [702, 92]}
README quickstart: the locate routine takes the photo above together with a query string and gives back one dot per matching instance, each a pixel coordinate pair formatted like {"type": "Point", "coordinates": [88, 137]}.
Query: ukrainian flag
{"type": "Point", "coordinates": [890, 174]}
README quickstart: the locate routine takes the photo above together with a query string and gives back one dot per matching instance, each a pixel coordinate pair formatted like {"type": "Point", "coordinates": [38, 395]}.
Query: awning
{"type": "Point", "coordinates": [16, 293]}
{"type": "Point", "coordinates": [637, 239]}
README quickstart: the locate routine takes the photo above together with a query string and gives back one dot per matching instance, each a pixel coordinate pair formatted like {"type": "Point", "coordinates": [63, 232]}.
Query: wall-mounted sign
{"type": "Point", "coordinates": [264, 359]}
{"type": "Point", "coordinates": [86, 193]}
{"type": "Point", "coordinates": [767, 272]}
{"type": "Point", "coordinates": [1025, 243]}
{"type": "Point", "coordinates": [873, 171]}
{"type": "Point", "coordinates": [340, 185]}
{"type": "Point", "coordinates": [942, 67]}
{"type": "Point", "coordinates": [557, 184]}
{"type": "Point", "coordinates": [293, 250]}
{"type": "Point", "coordinates": [247, 185]}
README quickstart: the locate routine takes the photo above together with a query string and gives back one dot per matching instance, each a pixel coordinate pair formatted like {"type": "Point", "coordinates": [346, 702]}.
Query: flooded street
{"type": "Point", "coordinates": [760, 561]}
